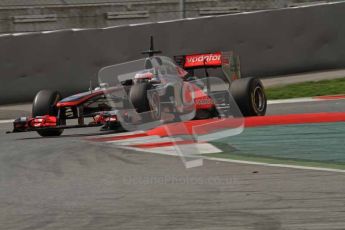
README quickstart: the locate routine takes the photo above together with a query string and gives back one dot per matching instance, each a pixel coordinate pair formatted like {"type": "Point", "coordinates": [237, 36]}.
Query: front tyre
{"type": "Point", "coordinates": [250, 96]}
{"type": "Point", "coordinates": [138, 95]}
{"type": "Point", "coordinates": [45, 104]}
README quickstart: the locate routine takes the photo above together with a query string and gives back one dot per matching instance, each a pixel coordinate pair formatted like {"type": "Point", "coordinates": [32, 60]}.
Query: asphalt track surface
{"type": "Point", "coordinates": [70, 183]}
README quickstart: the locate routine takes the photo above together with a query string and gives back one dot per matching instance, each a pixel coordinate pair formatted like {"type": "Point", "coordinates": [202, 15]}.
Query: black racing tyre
{"type": "Point", "coordinates": [202, 114]}
{"type": "Point", "coordinates": [45, 104]}
{"type": "Point", "coordinates": [250, 96]}
{"type": "Point", "coordinates": [139, 98]}
{"type": "Point", "coordinates": [155, 106]}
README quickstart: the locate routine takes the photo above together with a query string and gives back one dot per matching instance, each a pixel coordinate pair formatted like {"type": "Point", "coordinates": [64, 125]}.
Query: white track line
{"type": "Point", "coordinates": [6, 121]}
{"type": "Point", "coordinates": [140, 140]}
{"type": "Point", "coordinates": [275, 165]}
{"type": "Point", "coordinates": [293, 100]}
{"type": "Point", "coordinates": [204, 148]}
{"type": "Point", "coordinates": [302, 99]}
{"type": "Point", "coordinates": [171, 151]}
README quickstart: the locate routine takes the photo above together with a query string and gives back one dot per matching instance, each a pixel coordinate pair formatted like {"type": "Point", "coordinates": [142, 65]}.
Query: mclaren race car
{"type": "Point", "coordinates": [148, 92]}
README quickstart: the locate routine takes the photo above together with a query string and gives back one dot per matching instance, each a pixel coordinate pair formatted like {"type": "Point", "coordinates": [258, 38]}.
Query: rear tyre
{"type": "Point", "coordinates": [155, 106]}
{"type": "Point", "coordinates": [45, 104]}
{"type": "Point", "coordinates": [250, 97]}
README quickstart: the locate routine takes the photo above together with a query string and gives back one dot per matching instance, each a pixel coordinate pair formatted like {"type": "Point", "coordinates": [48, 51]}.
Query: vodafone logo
{"type": "Point", "coordinates": [203, 59]}
{"type": "Point", "coordinates": [206, 58]}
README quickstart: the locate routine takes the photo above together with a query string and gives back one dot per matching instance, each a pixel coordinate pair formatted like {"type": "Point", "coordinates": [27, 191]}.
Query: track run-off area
{"type": "Point", "coordinates": [276, 140]}
{"type": "Point", "coordinates": [283, 171]}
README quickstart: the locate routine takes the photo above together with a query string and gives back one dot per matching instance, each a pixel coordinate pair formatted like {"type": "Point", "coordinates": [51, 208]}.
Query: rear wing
{"type": "Point", "coordinates": [228, 61]}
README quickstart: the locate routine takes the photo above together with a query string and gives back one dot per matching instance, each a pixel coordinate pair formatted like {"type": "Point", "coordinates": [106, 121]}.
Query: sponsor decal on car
{"type": "Point", "coordinates": [204, 101]}
{"type": "Point", "coordinates": [212, 59]}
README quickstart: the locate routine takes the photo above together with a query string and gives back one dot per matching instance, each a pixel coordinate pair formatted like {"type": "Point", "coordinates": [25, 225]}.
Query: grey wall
{"type": "Point", "coordinates": [269, 43]}
{"type": "Point", "coordinates": [21, 15]}
{"type": "Point", "coordinates": [39, 15]}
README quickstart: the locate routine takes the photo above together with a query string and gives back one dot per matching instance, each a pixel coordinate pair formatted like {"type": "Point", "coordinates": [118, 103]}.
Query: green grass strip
{"type": "Point", "coordinates": [307, 89]}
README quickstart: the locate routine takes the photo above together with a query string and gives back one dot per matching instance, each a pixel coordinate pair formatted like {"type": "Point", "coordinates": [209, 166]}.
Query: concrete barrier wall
{"type": "Point", "coordinates": [38, 15]}
{"type": "Point", "coordinates": [269, 43]}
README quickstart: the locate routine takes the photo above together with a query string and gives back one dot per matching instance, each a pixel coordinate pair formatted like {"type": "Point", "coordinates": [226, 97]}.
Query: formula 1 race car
{"type": "Point", "coordinates": [152, 91]}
